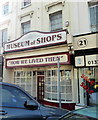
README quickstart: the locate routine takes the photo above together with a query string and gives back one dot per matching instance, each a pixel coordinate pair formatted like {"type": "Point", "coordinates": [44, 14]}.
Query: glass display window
{"type": "Point", "coordinates": [51, 85]}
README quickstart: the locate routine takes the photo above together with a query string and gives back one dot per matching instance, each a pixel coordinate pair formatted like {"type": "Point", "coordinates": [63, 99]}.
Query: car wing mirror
{"type": "Point", "coordinates": [30, 105]}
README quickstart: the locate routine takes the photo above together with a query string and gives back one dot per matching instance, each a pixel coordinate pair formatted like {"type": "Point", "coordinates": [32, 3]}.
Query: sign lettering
{"type": "Point", "coordinates": [38, 60]}
{"type": "Point", "coordinates": [91, 60]}
{"type": "Point", "coordinates": [35, 39]}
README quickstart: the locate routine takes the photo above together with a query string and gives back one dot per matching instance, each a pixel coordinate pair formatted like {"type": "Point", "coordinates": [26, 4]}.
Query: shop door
{"type": "Point", "coordinates": [40, 89]}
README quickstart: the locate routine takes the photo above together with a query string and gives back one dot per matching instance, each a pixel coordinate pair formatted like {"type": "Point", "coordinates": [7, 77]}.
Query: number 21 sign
{"type": "Point", "coordinates": [82, 42]}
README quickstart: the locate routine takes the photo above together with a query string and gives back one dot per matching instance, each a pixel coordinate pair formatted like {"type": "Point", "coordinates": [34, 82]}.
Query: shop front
{"type": "Point", "coordinates": [86, 69]}
{"type": "Point", "coordinates": [35, 69]}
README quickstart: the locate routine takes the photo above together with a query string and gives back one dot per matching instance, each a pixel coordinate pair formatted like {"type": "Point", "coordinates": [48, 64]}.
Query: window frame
{"type": "Point", "coordinates": [25, 78]}
{"type": "Point", "coordinates": [49, 86]}
{"type": "Point", "coordinates": [5, 11]}
{"type": "Point", "coordinates": [27, 3]}
{"type": "Point", "coordinates": [23, 26]}
{"type": "Point", "coordinates": [2, 33]}
{"type": "Point", "coordinates": [58, 21]}
{"type": "Point", "coordinates": [94, 26]}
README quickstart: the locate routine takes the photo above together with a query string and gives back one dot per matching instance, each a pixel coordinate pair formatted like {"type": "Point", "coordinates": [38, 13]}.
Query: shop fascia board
{"type": "Point", "coordinates": [37, 51]}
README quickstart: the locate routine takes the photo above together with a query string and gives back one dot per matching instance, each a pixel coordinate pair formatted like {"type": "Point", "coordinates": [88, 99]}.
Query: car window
{"type": "Point", "coordinates": [13, 97]}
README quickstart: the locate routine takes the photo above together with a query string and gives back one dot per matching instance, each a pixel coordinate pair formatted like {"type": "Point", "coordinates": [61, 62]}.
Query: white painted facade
{"type": "Point", "coordinates": [75, 12]}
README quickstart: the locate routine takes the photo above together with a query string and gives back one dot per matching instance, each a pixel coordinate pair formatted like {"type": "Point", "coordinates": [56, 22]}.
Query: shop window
{"type": "Point", "coordinates": [51, 85]}
{"type": "Point", "coordinates": [34, 73]}
{"type": "Point", "coordinates": [56, 21]}
{"type": "Point", "coordinates": [88, 85]}
{"type": "Point", "coordinates": [25, 27]}
{"type": "Point", "coordinates": [25, 80]}
{"type": "Point", "coordinates": [48, 73]}
{"type": "Point", "coordinates": [94, 17]}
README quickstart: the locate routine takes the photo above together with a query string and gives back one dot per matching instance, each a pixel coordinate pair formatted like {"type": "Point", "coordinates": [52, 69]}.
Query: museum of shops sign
{"type": "Point", "coordinates": [87, 60]}
{"type": "Point", "coordinates": [38, 61]}
{"type": "Point", "coordinates": [36, 39]}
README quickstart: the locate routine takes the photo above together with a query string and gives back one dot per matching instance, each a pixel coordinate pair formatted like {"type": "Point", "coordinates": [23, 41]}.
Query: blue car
{"type": "Point", "coordinates": [17, 104]}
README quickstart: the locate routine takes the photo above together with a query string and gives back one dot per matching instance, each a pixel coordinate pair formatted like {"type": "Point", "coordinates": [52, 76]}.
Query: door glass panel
{"type": "Point", "coordinates": [40, 88]}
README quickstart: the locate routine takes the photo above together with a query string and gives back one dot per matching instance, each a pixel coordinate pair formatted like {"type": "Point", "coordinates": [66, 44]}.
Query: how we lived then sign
{"type": "Point", "coordinates": [36, 39]}
{"type": "Point", "coordinates": [38, 61]}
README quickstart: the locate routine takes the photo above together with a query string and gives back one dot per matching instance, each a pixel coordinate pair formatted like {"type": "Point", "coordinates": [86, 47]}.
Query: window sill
{"type": "Point", "coordinates": [58, 101]}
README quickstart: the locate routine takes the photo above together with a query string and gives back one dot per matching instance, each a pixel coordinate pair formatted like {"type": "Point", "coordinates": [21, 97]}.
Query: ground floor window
{"type": "Point", "coordinates": [88, 85]}
{"type": "Point", "coordinates": [51, 85]}
{"type": "Point", "coordinates": [45, 83]}
{"type": "Point", "coordinates": [25, 79]}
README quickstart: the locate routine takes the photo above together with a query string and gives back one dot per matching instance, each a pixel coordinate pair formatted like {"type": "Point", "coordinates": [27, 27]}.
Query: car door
{"type": "Point", "coordinates": [12, 104]}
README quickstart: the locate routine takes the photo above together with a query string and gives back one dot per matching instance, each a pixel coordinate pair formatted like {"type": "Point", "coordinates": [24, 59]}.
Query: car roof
{"type": "Point", "coordinates": [88, 111]}
{"type": "Point", "coordinates": [10, 84]}
{"type": "Point", "coordinates": [16, 86]}
{"type": "Point", "coordinates": [5, 83]}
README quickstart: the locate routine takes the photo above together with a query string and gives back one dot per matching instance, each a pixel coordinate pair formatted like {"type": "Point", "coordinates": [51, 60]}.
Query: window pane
{"type": "Point", "coordinates": [68, 89]}
{"type": "Point", "coordinates": [63, 89]}
{"type": "Point", "coordinates": [48, 96]}
{"type": "Point", "coordinates": [54, 89]}
{"type": "Point", "coordinates": [48, 81]}
{"type": "Point", "coordinates": [68, 97]}
{"type": "Point", "coordinates": [24, 79]}
{"type": "Point", "coordinates": [3, 36]}
{"type": "Point", "coordinates": [25, 27]}
{"type": "Point", "coordinates": [1, 39]}
{"type": "Point", "coordinates": [51, 85]}
{"type": "Point", "coordinates": [26, 2]}
{"type": "Point", "coordinates": [48, 73]}
{"type": "Point", "coordinates": [56, 21]}
{"type": "Point", "coordinates": [5, 8]}
{"type": "Point", "coordinates": [54, 81]}
{"type": "Point", "coordinates": [48, 88]}
{"type": "Point", "coordinates": [54, 96]}
{"type": "Point", "coordinates": [94, 18]}
{"type": "Point", "coordinates": [63, 97]}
